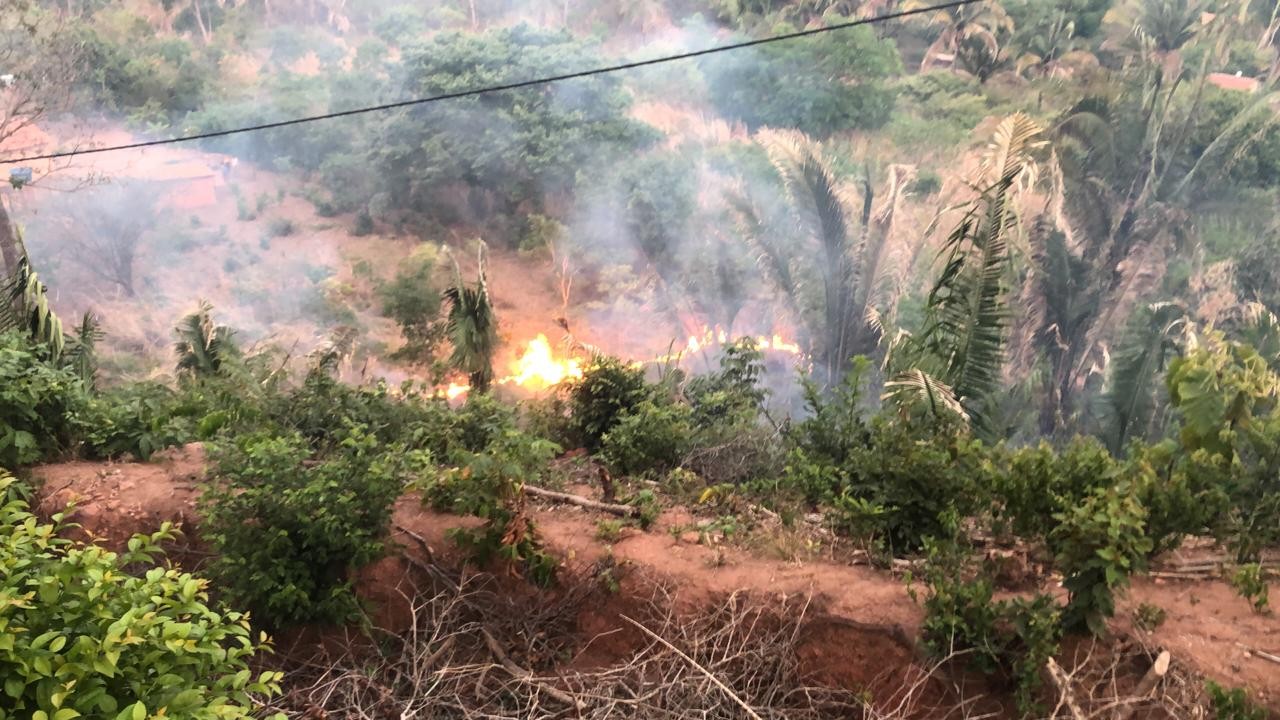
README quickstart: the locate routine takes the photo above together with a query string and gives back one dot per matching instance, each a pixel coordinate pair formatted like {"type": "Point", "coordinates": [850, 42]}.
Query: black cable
{"type": "Point", "coordinates": [510, 86]}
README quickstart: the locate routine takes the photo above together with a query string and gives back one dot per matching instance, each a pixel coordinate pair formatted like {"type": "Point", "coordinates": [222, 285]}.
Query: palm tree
{"type": "Point", "coordinates": [472, 326]}
{"type": "Point", "coordinates": [1133, 388]}
{"type": "Point", "coordinates": [24, 305]}
{"type": "Point", "coordinates": [1120, 201]}
{"type": "Point", "coordinates": [82, 354]}
{"type": "Point", "coordinates": [957, 360]}
{"type": "Point", "coordinates": [959, 23]}
{"type": "Point", "coordinates": [846, 246]}
{"type": "Point", "coordinates": [202, 347]}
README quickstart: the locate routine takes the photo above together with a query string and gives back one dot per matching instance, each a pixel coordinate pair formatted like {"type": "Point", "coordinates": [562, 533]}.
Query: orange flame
{"type": "Point", "coordinates": [538, 368]}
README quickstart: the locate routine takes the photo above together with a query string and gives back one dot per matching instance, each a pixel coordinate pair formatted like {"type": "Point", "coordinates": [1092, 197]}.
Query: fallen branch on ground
{"type": "Point", "coordinates": [613, 508]}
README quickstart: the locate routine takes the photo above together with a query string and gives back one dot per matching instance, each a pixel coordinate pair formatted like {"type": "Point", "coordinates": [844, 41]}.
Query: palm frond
{"type": "Point", "coordinates": [916, 388]}
{"type": "Point", "coordinates": [201, 345]}
{"type": "Point", "coordinates": [25, 307]}
{"type": "Point", "coordinates": [472, 327]}
{"type": "Point", "coordinates": [1133, 381]}
{"type": "Point", "coordinates": [81, 354]}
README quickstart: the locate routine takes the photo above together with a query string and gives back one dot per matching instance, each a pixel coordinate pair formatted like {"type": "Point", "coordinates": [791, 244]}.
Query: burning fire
{"type": "Point", "coordinates": [538, 368]}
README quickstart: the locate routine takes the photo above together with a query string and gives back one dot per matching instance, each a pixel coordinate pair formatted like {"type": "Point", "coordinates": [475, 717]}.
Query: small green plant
{"type": "Point", "coordinates": [490, 484]}
{"type": "Point", "coordinates": [609, 531]}
{"type": "Point", "coordinates": [280, 227]}
{"type": "Point", "coordinates": [1098, 545]}
{"type": "Point", "coordinates": [39, 402]}
{"type": "Point", "coordinates": [1015, 637]}
{"type": "Point", "coordinates": [1232, 704]}
{"type": "Point", "coordinates": [1249, 582]}
{"type": "Point", "coordinates": [83, 636]}
{"type": "Point", "coordinates": [263, 202]}
{"type": "Point", "coordinates": [1148, 617]}
{"type": "Point", "coordinates": [363, 224]}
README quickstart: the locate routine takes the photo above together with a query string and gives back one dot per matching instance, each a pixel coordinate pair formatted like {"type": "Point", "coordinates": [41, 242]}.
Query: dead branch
{"type": "Point", "coordinates": [612, 508]}
{"type": "Point", "coordinates": [710, 675]}
{"type": "Point", "coordinates": [1066, 696]}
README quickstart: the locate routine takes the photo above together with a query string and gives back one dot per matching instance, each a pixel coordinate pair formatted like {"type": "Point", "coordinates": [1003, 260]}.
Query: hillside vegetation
{"type": "Point", "coordinates": [997, 281]}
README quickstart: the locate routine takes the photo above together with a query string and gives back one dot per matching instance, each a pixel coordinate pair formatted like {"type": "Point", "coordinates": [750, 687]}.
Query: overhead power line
{"type": "Point", "coordinates": [510, 86]}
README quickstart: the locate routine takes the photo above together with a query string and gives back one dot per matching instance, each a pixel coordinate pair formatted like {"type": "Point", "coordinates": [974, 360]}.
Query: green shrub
{"type": "Point", "coordinates": [289, 528]}
{"type": "Point", "coordinates": [137, 419]}
{"type": "Point", "coordinates": [490, 485]}
{"type": "Point", "coordinates": [652, 437]}
{"type": "Point", "coordinates": [1232, 704]}
{"type": "Point", "coordinates": [39, 402]}
{"type": "Point", "coordinates": [607, 390]}
{"type": "Point", "coordinates": [1249, 582]}
{"type": "Point", "coordinates": [541, 232]}
{"type": "Point", "coordinates": [1038, 483]}
{"type": "Point", "coordinates": [82, 636]}
{"type": "Point", "coordinates": [1014, 637]}
{"type": "Point", "coordinates": [1098, 544]}
{"type": "Point", "coordinates": [280, 227]}
{"type": "Point", "coordinates": [413, 301]}
{"type": "Point", "coordinates": [926, 183]}
{"type": "Point", "coordinates": [363, 225]}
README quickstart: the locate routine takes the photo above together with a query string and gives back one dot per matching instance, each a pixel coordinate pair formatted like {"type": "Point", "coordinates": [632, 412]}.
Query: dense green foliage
{"type": "Point", "coordinates": [39, 402]}
{"type": "Point", "coordinates": [834, 82]}
{"type": "Point", "coordinates": [88, 633]}
{"type": "Point", "coordinates": [289, 530]}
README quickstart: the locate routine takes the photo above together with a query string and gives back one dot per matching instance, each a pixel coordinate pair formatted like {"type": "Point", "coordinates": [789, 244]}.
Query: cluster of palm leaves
{"type": "Point", "coordinates": [203, 347]}
{"type": "Point", "coordinates": [472, 326]}
{"type": "Point", "coordinates": [955, 363]}
{"type": "Point", "coordinates": [842, 278]}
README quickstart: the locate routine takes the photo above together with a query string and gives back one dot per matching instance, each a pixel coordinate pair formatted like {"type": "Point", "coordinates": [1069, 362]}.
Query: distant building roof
{"type": "Point", "coordinates": [1227, 81]}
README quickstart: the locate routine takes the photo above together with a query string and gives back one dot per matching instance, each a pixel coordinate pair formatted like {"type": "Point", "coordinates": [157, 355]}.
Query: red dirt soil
{"type": "Point", "coordinates": [863, 618]}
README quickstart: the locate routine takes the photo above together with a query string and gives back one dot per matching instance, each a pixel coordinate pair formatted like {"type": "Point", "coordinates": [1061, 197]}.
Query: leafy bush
{"type": "Point", "coordinates": [1249, 582]}
{"type": "Point", "coordinates": [832, 83]}
{"type": "Point", "coordinates": [1232, 704]}
{"type": "Point", "coordinates": [1098, 544]}
{"type": "Point", "coordinates": [39, 401]}
{"type": "Point", "coordinates": [81, 636]}
{"type": "Point", "coordinates": [607, 390]}
{"type": "Point", "coordinates": [1039, 483]}
{"type": "Point", "coordinates": [891, 478]}
{"type": "Point", "coordinates": [280, 227]}
{"type": "Point", "coordinates": [289, 528]}
{"type": "Point", "coordinates": [490, 484]}
{"type": "Point", "coordinates": [139, 419]}
{"type": "Point", "coordinates": [653, 437]}
{"type": "Point", "coordinates": [1015, 637]}
{"type": "Point", "coordinates": [413, 300]}
{"type": "Point", "coordinates": [363, 225]}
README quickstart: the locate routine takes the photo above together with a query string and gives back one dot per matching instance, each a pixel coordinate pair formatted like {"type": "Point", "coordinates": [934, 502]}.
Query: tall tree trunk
{"type": "Point", "coordinates": [204, 31]}
{"type": "Point", "coordinates": [8, 244]}
{"type": "Point", "coordinates": [475, 24]}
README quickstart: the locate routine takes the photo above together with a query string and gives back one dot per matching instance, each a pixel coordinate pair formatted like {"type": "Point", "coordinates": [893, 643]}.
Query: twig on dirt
{"type": "Point", "coordinates": [422, 542]}
{"type": "Point", "coordinates": [1065, 694]}
{"type": "Point", "coordinates": [1260, 654]}
{"type": "Point", "coordinates": [612, 508]}
{"type": "Point", "coordinates": [710, 675]}
{"type": "Point", "coordinates": [526, 675]}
